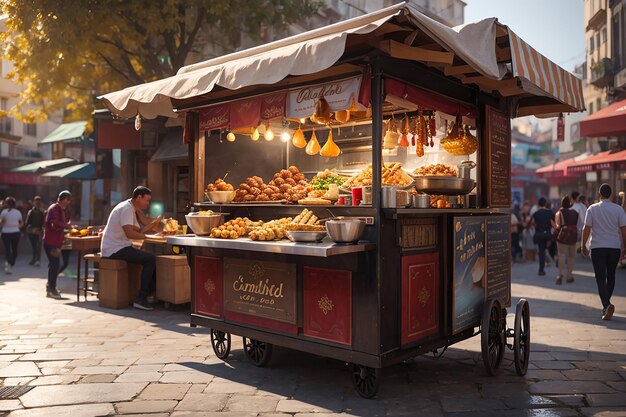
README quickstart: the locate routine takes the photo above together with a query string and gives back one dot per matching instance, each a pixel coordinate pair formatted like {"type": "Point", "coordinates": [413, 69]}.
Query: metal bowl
{"type": "Point", "coordinates": [345, 231]}
{"type": "Point", "coordinates": [446, 185]}
{"type": "Point", "coordinates": [220, 196]}
{"type": "Point", "coordinates": [305, 236]}
{"type": "Point", "coordinates": [201, 224]}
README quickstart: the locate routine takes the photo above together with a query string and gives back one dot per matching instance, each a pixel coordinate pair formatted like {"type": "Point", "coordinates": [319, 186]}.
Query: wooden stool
{"type": "Point", "coordinates": [118, 283]}
{"type": "Point", "coordinates": [85, 281]}
{"type": "Point", "coordinates": [173, 279]}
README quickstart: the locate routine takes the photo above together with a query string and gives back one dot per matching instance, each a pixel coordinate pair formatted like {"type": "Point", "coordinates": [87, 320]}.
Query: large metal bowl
{"type": "Point", "coordinates": [345, 231]}
{"type": "Point", "coordinates": [202, 224]}
{"type": "Point", "coordinates": [445, 185]}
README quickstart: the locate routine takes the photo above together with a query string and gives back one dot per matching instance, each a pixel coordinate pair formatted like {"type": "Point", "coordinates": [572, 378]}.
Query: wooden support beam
{"type": "Point", "coordinates": [399, 50]}
{"type": "Point", "coordinates": [503, 54]}
{"type": "Point", "coordinates": [390, 28]}
{"type": "Point", "coordinates": [489, 84]}
{"type": "Point", "coordinates": [459, 69]}
{"type": "Point", "coordinates": [501, 31]}
{"type": "Point", "coordinates": [411, 38]}
{"type": "Point", "coordinates": [508, 92]}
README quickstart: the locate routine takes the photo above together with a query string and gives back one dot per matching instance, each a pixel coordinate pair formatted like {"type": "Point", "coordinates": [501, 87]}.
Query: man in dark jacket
{"type": "Point", "coordinates": [34, 228]}
{"type": "Point", "coordinates": [57, 222]}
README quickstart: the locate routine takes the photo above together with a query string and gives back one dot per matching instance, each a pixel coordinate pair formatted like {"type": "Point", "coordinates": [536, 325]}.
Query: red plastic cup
{"type": "Point", "coordinates": [341, 200]}
{"type": "Point", "coordinates": [357, 195]}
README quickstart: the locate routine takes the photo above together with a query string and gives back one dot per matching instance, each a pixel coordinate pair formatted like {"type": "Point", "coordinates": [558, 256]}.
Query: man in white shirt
{"type": "Point", "coordinates": [123, 226]}
{"type": "Point", "coordinates": [606, 223]}
{"type": "Point", "coordinates": [581, 209]}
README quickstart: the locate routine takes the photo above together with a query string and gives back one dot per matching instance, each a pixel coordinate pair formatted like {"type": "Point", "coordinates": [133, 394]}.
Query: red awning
{"type": "Point", "coordinates": [598, 162]}
{"type": "Point", "coordinates": [610, 121]}
{"type": "Point", "coordinates": [557, 169]}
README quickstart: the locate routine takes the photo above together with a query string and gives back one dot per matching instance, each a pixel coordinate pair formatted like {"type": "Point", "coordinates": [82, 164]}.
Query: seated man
{"type": "Point", "coordinates": [123, 226]}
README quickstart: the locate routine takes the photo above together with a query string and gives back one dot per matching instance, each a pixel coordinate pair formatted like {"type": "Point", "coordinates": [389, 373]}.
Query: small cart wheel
{"type": "Point", "coordinates": [259, 353]}
{"type": "Point", "coordinates": [521, 337]}
{"type": "Point", "coordinates": [492, 336]}
{"type": "Point", "coordinates": [365, 380]}
{"type": "Point", "coordinates": [221, 343]}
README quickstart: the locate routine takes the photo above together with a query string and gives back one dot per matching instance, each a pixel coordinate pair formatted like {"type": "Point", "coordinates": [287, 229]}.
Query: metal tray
{"type": "Point", "coordinates": [445, 185]}
{"type": "Point", "coordinates": [306, 236]}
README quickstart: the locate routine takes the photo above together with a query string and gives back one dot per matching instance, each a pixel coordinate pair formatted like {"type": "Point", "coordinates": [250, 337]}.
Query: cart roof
{"type": "Point", "coordinates": [486, 54]}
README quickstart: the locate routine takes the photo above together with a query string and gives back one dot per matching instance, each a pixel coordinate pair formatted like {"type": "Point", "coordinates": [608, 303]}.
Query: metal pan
{"type": "Point", "coordinates": [445, 185]}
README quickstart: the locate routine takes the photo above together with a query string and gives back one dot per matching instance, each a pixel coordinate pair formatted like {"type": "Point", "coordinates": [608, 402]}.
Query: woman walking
{"type": "Point", "coordinates": [34, 228]}
{"type": "Point", "coordinates": [11, 222]}
{"type": "Point", "coordinates": [566, 217]}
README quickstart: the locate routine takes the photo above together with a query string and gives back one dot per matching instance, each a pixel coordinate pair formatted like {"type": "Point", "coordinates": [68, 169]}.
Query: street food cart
{"type": "Point", "coordinates": [404, 107]}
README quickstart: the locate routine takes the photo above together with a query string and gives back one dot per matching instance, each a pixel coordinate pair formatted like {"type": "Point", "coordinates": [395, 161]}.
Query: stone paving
{"type": "Point", "coordinates": [84, 361]}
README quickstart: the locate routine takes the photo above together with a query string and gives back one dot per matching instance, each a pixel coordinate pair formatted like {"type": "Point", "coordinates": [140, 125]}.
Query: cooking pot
{"type": "Point", "coordinates": [464, 168]}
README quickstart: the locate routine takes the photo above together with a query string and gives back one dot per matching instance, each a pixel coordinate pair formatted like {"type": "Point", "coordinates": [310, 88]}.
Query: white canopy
{"type": "Point", "coordinates": [474, 44]}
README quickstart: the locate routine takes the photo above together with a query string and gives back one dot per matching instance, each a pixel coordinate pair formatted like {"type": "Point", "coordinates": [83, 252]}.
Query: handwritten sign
{"type": "Point", "coordinates": [469, 271]}
{"type": "Point", "coordinates": [498, 134]}
{"type": "Point", "coordinates": [499, 259]}
{"type": "Point", "coordinates": [339, 95]}
{"type": "Point", "coordinates": [260, 289]}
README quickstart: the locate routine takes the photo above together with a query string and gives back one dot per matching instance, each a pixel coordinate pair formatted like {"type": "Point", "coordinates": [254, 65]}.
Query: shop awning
{"type": "Point", "coordinates": [610, 121]}
{"type": "Point", "coordinates": [478, 53]}
{"type": "Point", "coordinates": [601, 161]}
{"type": "Point", "coordinates": [84, 171]}
{"type": "Point", "coordinates": [67, 131]}
{"type": "Point", "coordinates": [558, 169]}
{"type": "Point", "coordinates": [172, 147]}
{"type": "Point", "coordinates": [45, 165]}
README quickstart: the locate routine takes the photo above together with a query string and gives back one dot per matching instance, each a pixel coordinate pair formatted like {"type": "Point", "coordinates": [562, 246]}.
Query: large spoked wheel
{"type": "Point", "coordinates": [259, 353]}
{"type": "Point", "coordinates": [221, 343]}
{"type": "Point", "coordinates": [492, 336]}
{"type": "Point", "coordinates": [521, 337]}
{"type": "Point", "coordinates": [365, 380]}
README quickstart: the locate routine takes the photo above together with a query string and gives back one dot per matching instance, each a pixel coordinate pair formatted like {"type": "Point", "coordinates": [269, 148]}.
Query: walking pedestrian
{"type": "Point", "coordinates": [57, 221]}
{"type": "Point", "coordinates": [121, 227]}
{"type": "Point", "coordinates": [34, 229]}
{"type": "Point", "coordinates": [581, 209]}
{"type": "Point", "coordinates": [605, 222]}
{"type": "Point", "coordinates": [516, 249]}
{"type": "Point", "coordinates": [543, 220]}
{"type": "Point", "coordinates": [11, 222]}
{"type": "Point", "coordinates": [566, 217]}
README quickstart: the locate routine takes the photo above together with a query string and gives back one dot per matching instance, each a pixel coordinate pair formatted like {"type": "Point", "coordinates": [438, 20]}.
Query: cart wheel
{"type": "Point", "coordinates": [221, 343]}
{"type": "Point", "coordinates": [365, 380]}
{"type": "Point", "coordinates": [259, 353]}
{"type": "Point", "coordinates": [492, 336]}
{"type": "Point", "coordinates": [521, 338]}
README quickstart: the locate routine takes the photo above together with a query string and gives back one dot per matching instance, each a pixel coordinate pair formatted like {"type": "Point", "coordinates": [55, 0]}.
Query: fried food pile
{"type": "Point", "coordinates": [288, 184]}
{"type": "Point", "coordinates": [392, 174]}
{"type": "Point", "coordinates": [306, 221]}
{"type": "Point", "coordinates": [219, 185]}
{"type": "Point", "coordinates": [436, 170]}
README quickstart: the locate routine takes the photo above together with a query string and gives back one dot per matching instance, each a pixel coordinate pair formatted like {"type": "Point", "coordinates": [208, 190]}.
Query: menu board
{"type": "Point", "coordinates": [499, 259]}
{"type": "Point", "coordinates": [469, 271]}
{"type": "Point", "coordinates": [260, 289]}
{"type": "Point", "coordinates": [498, 134]}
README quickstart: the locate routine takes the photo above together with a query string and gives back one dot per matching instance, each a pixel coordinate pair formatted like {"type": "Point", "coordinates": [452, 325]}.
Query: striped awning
{"type": "Point", "coordinates": [540, 76]}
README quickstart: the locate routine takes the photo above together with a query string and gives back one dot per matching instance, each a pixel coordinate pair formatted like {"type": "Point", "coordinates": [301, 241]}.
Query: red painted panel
{"type": "Point", "coordinates": [261, 322]}
{"type": "Point", "coordinates": [118, 136]}
{"type": "Point", "coordinates": [208, 286]}
{"type": "Point", "coordinates": [420, 297]}
{"type": "Point", "coordinates": [328, 304]}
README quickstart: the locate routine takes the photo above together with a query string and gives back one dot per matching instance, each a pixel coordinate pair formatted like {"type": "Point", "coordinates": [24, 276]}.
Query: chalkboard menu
{"type": "Point", "coordinates": [499, 259]}
{"type": "Point", "coordinates": [498, 134]}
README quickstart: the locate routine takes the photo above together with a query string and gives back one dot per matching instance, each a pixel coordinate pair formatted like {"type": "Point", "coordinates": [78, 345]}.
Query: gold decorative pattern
{"type": "Point", "coordinates": [256, 271]}
{"type": "Point", "coordinates": [325, 304]}
{"type": "Point", "coordinates": [423, 296]}
{"type": "Point", "coordinates": [209, 286]}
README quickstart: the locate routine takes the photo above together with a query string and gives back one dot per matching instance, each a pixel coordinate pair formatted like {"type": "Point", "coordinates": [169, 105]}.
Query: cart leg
{"type": "Point", "coordinates": [366, 380]}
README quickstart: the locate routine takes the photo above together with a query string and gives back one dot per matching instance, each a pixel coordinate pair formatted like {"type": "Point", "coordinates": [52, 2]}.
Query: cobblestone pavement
{"type": "Point", "coordinates": [84, 361]}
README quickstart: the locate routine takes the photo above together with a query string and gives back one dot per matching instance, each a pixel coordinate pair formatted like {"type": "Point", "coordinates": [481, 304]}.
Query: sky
{"type": "Point", "coordinates": [555, 28]}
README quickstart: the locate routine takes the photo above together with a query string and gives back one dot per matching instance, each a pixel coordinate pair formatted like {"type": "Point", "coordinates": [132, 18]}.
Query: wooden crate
{"type": "Point", "coordinates": [173, 279]}
{"type": "Point", "coordinates": [118, 283]}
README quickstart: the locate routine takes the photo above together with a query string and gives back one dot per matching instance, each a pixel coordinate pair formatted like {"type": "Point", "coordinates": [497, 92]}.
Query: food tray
{"type": "Point", "coordinates": [306, 236]}
{"type": "Point", "coordinates": [445, 185]}
{"type": "Point", "coordinates": [399, 187]}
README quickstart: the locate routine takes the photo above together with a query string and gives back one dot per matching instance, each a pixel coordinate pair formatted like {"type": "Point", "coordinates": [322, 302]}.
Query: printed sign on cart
{"type": "Point", "coordinates": [339, 95]}
{"type": "Point", "coordinates": [260, 289]}
{"type": "Point", "coordinates": [469, 272]}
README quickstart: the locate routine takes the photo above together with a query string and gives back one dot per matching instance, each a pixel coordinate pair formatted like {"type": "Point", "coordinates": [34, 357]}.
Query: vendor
{"type": "Point", "coordinates": [123, 226]}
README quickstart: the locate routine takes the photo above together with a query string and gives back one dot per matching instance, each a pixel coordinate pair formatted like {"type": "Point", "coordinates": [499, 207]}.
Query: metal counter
{"type": "Point", "coordinates": [324, 249]}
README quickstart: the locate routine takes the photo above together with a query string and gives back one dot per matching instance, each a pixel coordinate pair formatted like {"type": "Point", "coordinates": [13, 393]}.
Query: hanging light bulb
{"type": "Point", "coordinates": [269, 134]}
{"type": "Point", "coordinates": [255, 135]}
{"type": "Point", "coordinates": [285, 136]}
{"type": "Point", "coordinates": [138, 122]}
{"type": "Point", "coordinates": [230, 137]}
